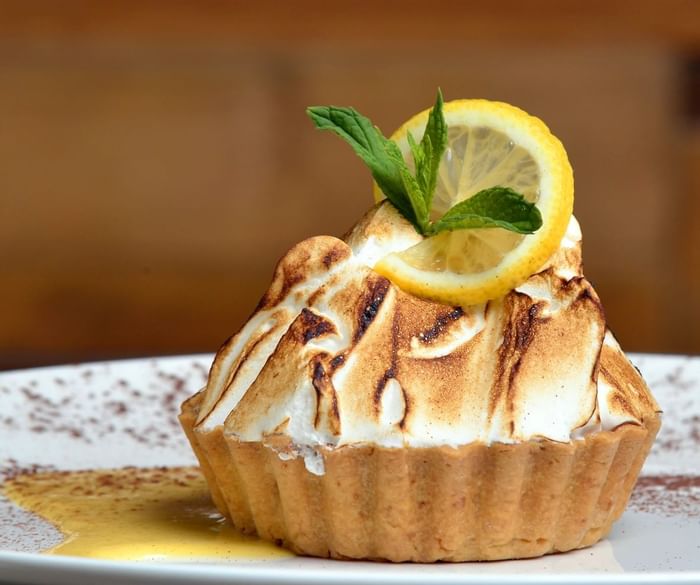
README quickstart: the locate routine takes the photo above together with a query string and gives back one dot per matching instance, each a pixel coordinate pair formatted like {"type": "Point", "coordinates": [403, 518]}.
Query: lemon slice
{"type": "Point", "coordinates": [489, 144]}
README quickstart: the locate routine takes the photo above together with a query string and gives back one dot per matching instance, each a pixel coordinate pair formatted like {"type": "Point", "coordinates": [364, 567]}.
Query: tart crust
{"type": "Point", "coordinates": [475, 502]}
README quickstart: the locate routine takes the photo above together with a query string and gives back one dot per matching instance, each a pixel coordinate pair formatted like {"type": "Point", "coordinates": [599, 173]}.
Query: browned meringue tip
{"type": "Point", "coordinates": [474, 502]}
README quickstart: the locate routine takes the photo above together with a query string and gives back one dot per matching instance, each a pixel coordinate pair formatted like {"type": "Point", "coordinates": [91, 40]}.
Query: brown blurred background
{"type": "Point", "coordinates": [155, 158]}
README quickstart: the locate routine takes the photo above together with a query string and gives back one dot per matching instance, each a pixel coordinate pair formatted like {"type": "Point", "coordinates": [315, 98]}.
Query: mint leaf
{"type": "Point", "coordinates": [428, 154]}
{"type": "Point", "coordinates": [433, 143]}
{"type": "Point", "coordinates": [415, 194]}
{"type": "Point", "coordinates": [381, 155]}
{"type": "Point", "coordinates": [495, 207]}
{"type": "Point", "coordinates": [421, 155]}
{"type": "Point", "coordinates": [418, 154]}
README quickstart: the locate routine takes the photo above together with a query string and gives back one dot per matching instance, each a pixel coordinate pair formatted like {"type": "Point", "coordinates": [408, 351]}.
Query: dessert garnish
{"type": "Point", "coordinates": [412, 193]}
{"type": "Point", "coordinates": [478, 165]}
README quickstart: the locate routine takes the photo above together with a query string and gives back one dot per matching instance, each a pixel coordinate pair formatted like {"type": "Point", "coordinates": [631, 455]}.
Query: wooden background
{"type": "Point", "coordinates": [155, 159]}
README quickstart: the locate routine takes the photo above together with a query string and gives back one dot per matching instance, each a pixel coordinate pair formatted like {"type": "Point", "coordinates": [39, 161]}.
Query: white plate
{"type": "Point", "coordinates": [120, 413]}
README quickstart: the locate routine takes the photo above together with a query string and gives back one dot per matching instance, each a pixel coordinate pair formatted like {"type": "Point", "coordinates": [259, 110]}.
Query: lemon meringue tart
{"type": "Point", "coordinates": [354, 417]}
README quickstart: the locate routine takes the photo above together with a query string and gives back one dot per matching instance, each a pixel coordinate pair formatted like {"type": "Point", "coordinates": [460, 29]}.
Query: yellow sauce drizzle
{"type": "Point", "coordinates": [135, 514]}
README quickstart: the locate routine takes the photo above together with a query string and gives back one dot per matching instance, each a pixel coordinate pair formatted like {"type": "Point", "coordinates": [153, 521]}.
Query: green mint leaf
{"type": "Point", "coordinates": [428, 154]}
{"type": "Point", "coordinates": [417, 152]}
{"type": "Point", "coordinates": [421, 155]}
{"type": "Point", "coordinates": [415, 194]}
{"type": "Point", "coordinates": [411, 188]}
{"type": "Point", "coordinates": [433, 144]}
{"type": "Point", "coordinates": [415, 185]}
{"type": "Point", "coordinates": [381, 155]}
{"type": "Point", "coordinates": [495, 207]}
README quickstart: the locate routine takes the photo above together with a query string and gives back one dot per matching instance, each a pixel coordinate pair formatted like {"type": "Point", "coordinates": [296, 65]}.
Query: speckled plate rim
{"type": "Point", "coordinates": [20, 567]}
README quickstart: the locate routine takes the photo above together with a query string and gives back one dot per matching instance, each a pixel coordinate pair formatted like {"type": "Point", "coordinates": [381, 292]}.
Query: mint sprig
{"type": "Point", "coordinates": [412, 193]}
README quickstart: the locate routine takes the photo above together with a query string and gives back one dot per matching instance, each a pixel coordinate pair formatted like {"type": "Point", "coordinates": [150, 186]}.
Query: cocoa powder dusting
{"type": "Point", "coordinates": [677, 391]}
{"type": "Point", "coordinates": [84, 406]}
{"type": "Point", "coordinates": [668, 495]}
{"type": "Point", "coordinates": [11, 468]}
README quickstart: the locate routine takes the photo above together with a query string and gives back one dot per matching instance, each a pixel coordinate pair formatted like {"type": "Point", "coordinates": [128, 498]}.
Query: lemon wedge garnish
{"type": "Point", "coordinates": [489, 144]}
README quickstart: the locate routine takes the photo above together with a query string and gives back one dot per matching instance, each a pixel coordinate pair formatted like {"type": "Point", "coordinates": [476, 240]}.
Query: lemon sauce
{"type": "Point", "coordinates": [135, 514]}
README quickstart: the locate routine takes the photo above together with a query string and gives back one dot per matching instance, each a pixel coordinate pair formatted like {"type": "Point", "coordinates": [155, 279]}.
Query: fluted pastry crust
{"type": "Point", "coordinates": [474, 502]}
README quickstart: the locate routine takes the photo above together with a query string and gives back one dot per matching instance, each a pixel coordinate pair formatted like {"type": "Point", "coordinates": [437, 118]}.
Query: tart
{"type": "Point", "coordinates": [350, 418]}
